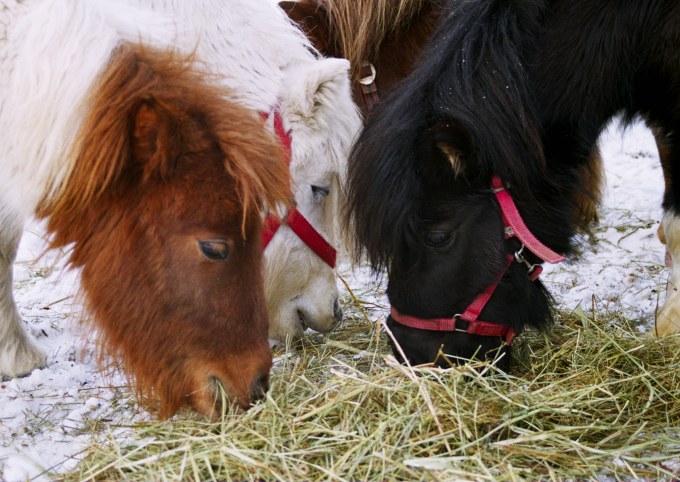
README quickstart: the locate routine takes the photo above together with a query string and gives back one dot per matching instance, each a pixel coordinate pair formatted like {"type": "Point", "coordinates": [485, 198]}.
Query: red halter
{"type": "Point", "coordinates": [514, 227]}
{"type": "Point", "coordinates": [294, 218]}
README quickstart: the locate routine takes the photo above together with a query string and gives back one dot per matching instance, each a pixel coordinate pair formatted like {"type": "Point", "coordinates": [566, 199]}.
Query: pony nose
{"type": "Point", "coordinates": [337, 311]}
{"type": "Point", "coordinates": [259, 388]}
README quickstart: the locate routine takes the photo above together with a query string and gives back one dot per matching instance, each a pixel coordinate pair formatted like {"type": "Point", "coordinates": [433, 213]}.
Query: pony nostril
{"type": "Point", "coordinates": [337, 311]}
{"type": "Point", "coordinates": [259, 388]}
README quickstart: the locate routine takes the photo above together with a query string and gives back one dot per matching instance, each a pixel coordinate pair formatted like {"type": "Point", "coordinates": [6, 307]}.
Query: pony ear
{"type": "Point", "coordinates": [145, 129]}
{"type": "Point", "coordinates": [452, 141]}
{"type": "Point", "coordinates": [316, 84]}
{"type": "Point", "coordinates": [312, 19]}
{"type": "Point", "coordinates": [152, 140]}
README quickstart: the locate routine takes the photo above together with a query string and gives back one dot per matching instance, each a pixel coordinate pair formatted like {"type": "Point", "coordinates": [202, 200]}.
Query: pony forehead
{"type": "Point", "coordinates": [187, 108]}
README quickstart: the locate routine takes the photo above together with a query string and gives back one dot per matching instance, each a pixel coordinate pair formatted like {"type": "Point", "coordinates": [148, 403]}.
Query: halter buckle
{"type": "Point", "coordinates": [457, 317]}
{"type": "Point", "coordinates": [370, 78]}
{"type": "Point", "coordinates": [530, 267]}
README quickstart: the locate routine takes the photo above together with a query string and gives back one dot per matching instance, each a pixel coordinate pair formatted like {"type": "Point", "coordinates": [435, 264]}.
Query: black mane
{"type": "Point", "coordinates": [472, 71]}
{"type": "Point", "coordinates": [515, 74]}
{"type": "Point", "coordinates": [519, 89]}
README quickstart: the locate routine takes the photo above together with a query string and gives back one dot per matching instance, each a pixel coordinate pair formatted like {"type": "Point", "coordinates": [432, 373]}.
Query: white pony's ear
{"type": "Point", "coordinates": [316, 84]}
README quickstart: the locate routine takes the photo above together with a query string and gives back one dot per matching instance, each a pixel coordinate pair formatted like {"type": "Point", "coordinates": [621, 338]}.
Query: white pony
{"type": "Point", "coordinates": [251, 46]}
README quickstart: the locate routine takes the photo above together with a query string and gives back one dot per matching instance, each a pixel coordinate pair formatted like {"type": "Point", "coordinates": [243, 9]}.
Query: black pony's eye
{"type": "Point", "coordinates": [438, 239]}
{"type": "Point", "coordinates": [321, 191]}
{"type": "Point", "coordinates": [214, 249]}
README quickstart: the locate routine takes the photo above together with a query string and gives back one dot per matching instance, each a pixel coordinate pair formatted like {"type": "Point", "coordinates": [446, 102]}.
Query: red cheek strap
{"type": "Point", "coordinates": [294, 218]}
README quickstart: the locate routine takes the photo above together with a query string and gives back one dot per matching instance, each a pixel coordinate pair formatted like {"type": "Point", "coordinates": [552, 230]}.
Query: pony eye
{"type": "Point", "coordinates": [320, 191]}
{"type": "Point", "coordinates": [215, 250]}
{"type": "Point", "coordinates": [438, 239]}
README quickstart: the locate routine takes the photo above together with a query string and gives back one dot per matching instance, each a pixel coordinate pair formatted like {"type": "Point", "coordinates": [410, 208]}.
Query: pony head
{"type": "Point", "coordinates": [162, 209]}
{"type": "Point", "coordinates": [421, 199]}
{"type": "Point", "coordinates": [319, 114]}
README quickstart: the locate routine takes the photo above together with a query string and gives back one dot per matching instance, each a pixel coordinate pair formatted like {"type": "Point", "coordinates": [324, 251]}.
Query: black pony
{"type": "Point", "coordinates": [507, 101]}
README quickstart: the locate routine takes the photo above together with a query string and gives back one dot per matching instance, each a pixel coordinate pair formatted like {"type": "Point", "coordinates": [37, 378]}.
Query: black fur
{"type": "Point", "coordinates": [516, 88]}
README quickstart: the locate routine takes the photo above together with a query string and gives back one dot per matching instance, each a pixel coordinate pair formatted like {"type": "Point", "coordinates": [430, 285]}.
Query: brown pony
{"type": "Point", "coordinates": [162, 207]}
{"type": "Point", "coordinates": [382, 40]}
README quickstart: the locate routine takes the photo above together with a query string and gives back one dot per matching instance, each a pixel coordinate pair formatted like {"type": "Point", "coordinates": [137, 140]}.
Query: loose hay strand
{"type": "Point", "coordinates": [592, 399]}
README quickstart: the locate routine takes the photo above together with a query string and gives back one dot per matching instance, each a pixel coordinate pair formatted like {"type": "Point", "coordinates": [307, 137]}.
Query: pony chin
{"type": "Point", "coordinates": [444, 349]}
{"type": "Point", "coordinates": [306, 297]}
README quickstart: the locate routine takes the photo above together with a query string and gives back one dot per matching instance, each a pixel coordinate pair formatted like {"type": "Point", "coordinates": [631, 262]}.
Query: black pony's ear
{"type": "Point", "coordinates": [451, 141]}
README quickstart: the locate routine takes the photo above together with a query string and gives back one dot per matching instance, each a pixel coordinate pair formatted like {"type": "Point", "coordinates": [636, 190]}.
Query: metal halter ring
{"type": "Point", "coordinates": [522, 260]}
{"type": "Point", "coordinates": [369, 79]}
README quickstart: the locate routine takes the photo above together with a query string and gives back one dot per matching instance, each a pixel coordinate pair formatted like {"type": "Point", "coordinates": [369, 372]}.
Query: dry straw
{"type": "Point", "coordinates": [594, 398]}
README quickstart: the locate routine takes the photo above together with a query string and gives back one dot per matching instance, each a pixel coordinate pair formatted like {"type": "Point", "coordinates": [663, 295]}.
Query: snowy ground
{"type": "Point", "coordinates": [43, 416]}
{"type": "Point", "coordinates": [624, 270]}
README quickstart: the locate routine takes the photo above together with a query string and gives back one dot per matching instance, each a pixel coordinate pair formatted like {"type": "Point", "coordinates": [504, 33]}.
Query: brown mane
{"type": "Point", "coordinates": [162, 159]}
{"type": "Point", "coordinates": [359, 28]}
{"type": "Point", "coordinates": [389, 34]}
{"type": "Point", "coordinates": [137, 74]}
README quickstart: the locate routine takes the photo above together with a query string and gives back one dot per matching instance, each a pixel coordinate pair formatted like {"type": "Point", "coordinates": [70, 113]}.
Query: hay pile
{"type": "Point", "coordinates": [595, 398]}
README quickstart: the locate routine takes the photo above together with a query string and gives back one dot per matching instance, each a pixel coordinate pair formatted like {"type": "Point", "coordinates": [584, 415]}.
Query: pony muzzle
{"type": "Point", "coordinates": [235, 385]}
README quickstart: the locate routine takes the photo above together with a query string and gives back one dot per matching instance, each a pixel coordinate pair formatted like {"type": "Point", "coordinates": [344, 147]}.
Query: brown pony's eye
{"type": "Point", "coordinates": [214, 249]}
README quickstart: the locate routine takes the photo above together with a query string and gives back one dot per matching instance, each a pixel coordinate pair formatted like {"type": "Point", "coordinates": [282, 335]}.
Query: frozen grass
{"type": "Point", "coordinates": [594, 398]}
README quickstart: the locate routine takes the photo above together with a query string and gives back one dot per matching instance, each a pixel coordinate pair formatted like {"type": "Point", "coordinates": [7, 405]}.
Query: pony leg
{"type": "Point", "coordinates": [662, 237]}
{"type": "Point", "coordinates": [587, 201]}
{"type": "Point", "coordinates": [664, 148]}
{"type": "Point", "coordinates": [668, 316]}
{"type": "Point", "coordinates": [18, 353]}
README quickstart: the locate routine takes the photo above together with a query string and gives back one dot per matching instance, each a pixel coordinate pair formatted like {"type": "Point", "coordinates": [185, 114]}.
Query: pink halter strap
{"type": "Point", "coordinates": [514, 227]}
{"type": "Point", "coordinates": [470, 316]}
{"type": "Point", "coordinates": [294, 218]}
{"type": "Point", "coordinates": [514, 224]}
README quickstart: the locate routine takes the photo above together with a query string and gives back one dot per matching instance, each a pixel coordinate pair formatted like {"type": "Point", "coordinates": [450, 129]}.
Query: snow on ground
{"type": "Point", "coordinates": [624, 270]}
{"type": "Point", "coordinates": [42, 416]}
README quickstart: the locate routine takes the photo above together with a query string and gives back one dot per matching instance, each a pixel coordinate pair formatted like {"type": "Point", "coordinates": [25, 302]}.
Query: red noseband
{"type": "Point", "coordinates": [514, 227]}
{"type": "Point", "coordinates": [294, 218]}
